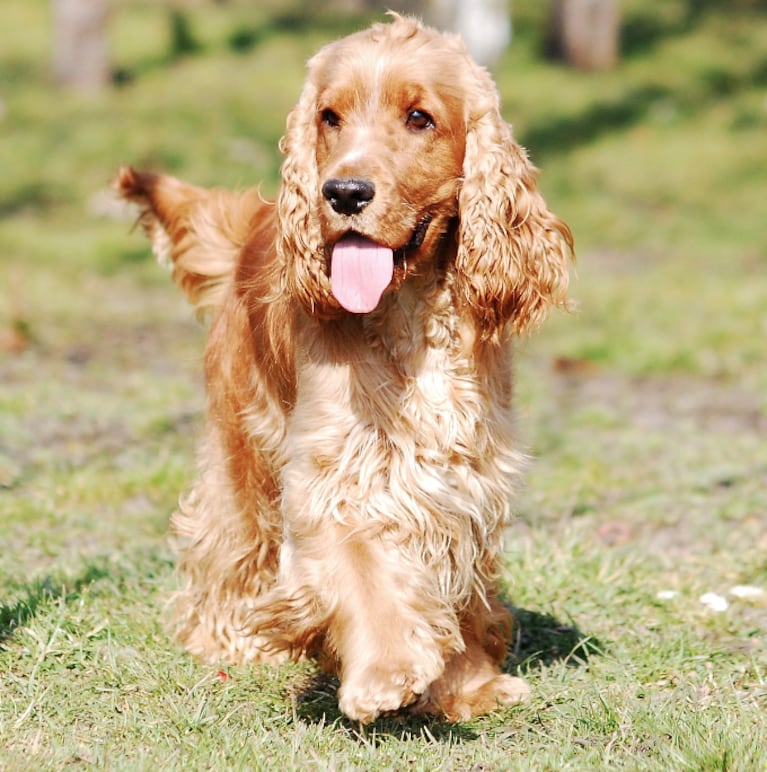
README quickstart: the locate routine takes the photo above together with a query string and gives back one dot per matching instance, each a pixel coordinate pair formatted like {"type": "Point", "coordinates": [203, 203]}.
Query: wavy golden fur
{"type": "Point", "coordinates": [357, 466]}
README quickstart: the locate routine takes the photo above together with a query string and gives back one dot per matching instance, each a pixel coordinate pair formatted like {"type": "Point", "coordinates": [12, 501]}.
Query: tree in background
{"type": "Point", "coordinates": [80, 44]}
{"type": "Point", "coordinates": [485, 25]}
{"type": "Point", "coordinates": [585, 33]}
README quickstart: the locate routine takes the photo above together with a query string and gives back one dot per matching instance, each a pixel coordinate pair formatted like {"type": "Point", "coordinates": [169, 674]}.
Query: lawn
{"type": "Point", "coordinates": [645, 411]}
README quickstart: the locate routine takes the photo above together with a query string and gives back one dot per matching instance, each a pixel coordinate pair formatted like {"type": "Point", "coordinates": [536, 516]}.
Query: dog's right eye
{"type": "Point", "coordinates": [330, 118]}
{"type": "Point", "coordinates": [418, 120]}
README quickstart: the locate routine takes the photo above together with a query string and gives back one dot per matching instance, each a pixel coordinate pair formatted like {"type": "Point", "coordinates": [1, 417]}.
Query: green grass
{"type": "Point", "coordinates": [645, 410]}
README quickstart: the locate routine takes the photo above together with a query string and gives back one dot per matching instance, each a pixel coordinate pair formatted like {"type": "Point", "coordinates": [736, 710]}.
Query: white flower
{"type": "Point", "coordinates": [748, 592]}
{"type": "Point", "coordinates": [714, 602]}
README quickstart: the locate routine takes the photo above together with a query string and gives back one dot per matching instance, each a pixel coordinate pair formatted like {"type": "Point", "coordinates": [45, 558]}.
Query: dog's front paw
{"type": "Point", "coordinates": [380, 689]}
{"type": "Point", "coordinates": [499, 691]}
{"type": "Point", "coordinates": [506, 690]}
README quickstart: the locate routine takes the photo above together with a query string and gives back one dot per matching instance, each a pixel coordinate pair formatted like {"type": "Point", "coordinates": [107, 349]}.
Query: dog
{"type": "Point", "coordinates": [359, 456]}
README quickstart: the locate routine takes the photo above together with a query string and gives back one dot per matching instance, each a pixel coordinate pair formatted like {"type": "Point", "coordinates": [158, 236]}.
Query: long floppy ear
{"type": "Point", "coordinates": [300, 242]}
{"type": "Point", "coordinates": [513, 253]}
{"type": "Point", "coordinates": [198, 232]}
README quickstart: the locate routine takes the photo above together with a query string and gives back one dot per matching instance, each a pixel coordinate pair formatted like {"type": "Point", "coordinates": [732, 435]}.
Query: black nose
{"type": "Point", "coordinates": [348, 195]}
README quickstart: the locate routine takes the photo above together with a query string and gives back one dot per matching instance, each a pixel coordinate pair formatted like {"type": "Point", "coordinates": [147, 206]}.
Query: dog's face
{"type": "Point", "coordinates": [390, 147]}
{"type": "Point", "coordinates": [397, 158]}
{"type": "Point", "coordinates": [383, 121]}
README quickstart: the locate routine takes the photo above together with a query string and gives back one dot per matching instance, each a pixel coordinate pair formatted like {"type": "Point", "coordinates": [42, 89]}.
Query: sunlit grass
{"type": "Point", "coordinates": [645, 410]}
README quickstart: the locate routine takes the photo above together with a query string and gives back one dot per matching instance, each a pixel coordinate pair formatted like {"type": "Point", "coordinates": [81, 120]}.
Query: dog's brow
{"type": "Point", "coordinates": [379, 81]}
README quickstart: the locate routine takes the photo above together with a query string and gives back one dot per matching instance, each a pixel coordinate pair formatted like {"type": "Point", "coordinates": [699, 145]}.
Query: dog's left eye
{"type": "Point", "coordinates": [330, 118]}
{"type": "Point", "coordinates": [418, 120]}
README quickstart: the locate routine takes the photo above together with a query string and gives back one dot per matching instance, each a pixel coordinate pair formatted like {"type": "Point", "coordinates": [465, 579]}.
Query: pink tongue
{"type": "Point", "coordinates": [360, 270]}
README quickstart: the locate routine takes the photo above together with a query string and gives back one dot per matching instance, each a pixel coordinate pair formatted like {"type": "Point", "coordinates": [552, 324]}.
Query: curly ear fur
{"type": "Point", "coordinates": [300, 242]}
{"type": "Point", "coordinates": [513, 253]}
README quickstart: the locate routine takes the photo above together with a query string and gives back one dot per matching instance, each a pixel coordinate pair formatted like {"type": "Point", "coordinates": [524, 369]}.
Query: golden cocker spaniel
{"type": "Point", "coordinates": [359, 456]}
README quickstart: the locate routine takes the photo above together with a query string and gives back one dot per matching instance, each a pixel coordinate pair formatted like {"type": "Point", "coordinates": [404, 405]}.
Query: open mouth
{"type": "Point", "coordinates": [361, 269]}
{"type": "Point", "coordinates": [416, 239]}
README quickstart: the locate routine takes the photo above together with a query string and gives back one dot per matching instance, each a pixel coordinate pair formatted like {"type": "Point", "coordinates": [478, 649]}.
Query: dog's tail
{"type": "Point", "coordinates": [198, 232]}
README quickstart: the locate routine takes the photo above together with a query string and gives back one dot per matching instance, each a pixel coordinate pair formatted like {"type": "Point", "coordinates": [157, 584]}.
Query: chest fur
{"type": "Point", "coordinates": [392, 416]}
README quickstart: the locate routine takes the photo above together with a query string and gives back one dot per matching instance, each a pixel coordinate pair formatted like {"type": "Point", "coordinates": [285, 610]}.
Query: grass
{"type": "Point", "coordinates": [646, 410]}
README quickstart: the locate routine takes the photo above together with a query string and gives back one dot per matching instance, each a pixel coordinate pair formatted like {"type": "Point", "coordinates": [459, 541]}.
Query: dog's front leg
{"type": "Point", "coordinates": [387, 649]}
{"type": "Point", "coordinates": [386, 634]}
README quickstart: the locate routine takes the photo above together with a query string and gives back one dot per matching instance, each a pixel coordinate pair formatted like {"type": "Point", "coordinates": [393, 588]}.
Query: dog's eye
{"type": "Point", "coordinates": [418, 120]}
{"type": "Point", "coordinates": [330, 118]}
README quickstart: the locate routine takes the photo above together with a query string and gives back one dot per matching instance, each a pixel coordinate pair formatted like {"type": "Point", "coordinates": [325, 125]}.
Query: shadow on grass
{"type": "Point", "coordinates": [317, 703]}
{"type": "Point", "coordinates": [540, 640]}
{"type": "Point", "coordinates": [243, 38]}
{"type": "Point", "coordinates": [35, 196]}
{"type": "Point", "coordinates": [41, 593]}
{"type": "Point", "coordinates": [561, 133]}
{"type": "Point", "coordinates": [297, 22]}
{"type": "Point", "coordinates": [543, 640]}
{"type": "Point", "coordinates": [641, 31]}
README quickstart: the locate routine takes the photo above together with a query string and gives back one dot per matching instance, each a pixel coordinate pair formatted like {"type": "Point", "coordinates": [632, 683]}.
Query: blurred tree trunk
{"type": "Point", "coordinates": [585, 33]}
{"type": "Point", "coordinates": [485, 25]}
{"type": "Point", "coordinates": [80, 46]}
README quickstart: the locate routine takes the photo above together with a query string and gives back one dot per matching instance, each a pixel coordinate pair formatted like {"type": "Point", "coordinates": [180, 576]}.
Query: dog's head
{"type": "Point", "coordinates": [396, 155]}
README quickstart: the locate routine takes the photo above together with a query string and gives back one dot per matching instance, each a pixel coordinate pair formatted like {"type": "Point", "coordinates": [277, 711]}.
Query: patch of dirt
{"type": "Point", "coordinates": [684, 460]}
{"type": "Point", "coordinates": [90, 391]}
{"type": "Point", "coordinates": [656, 403]}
